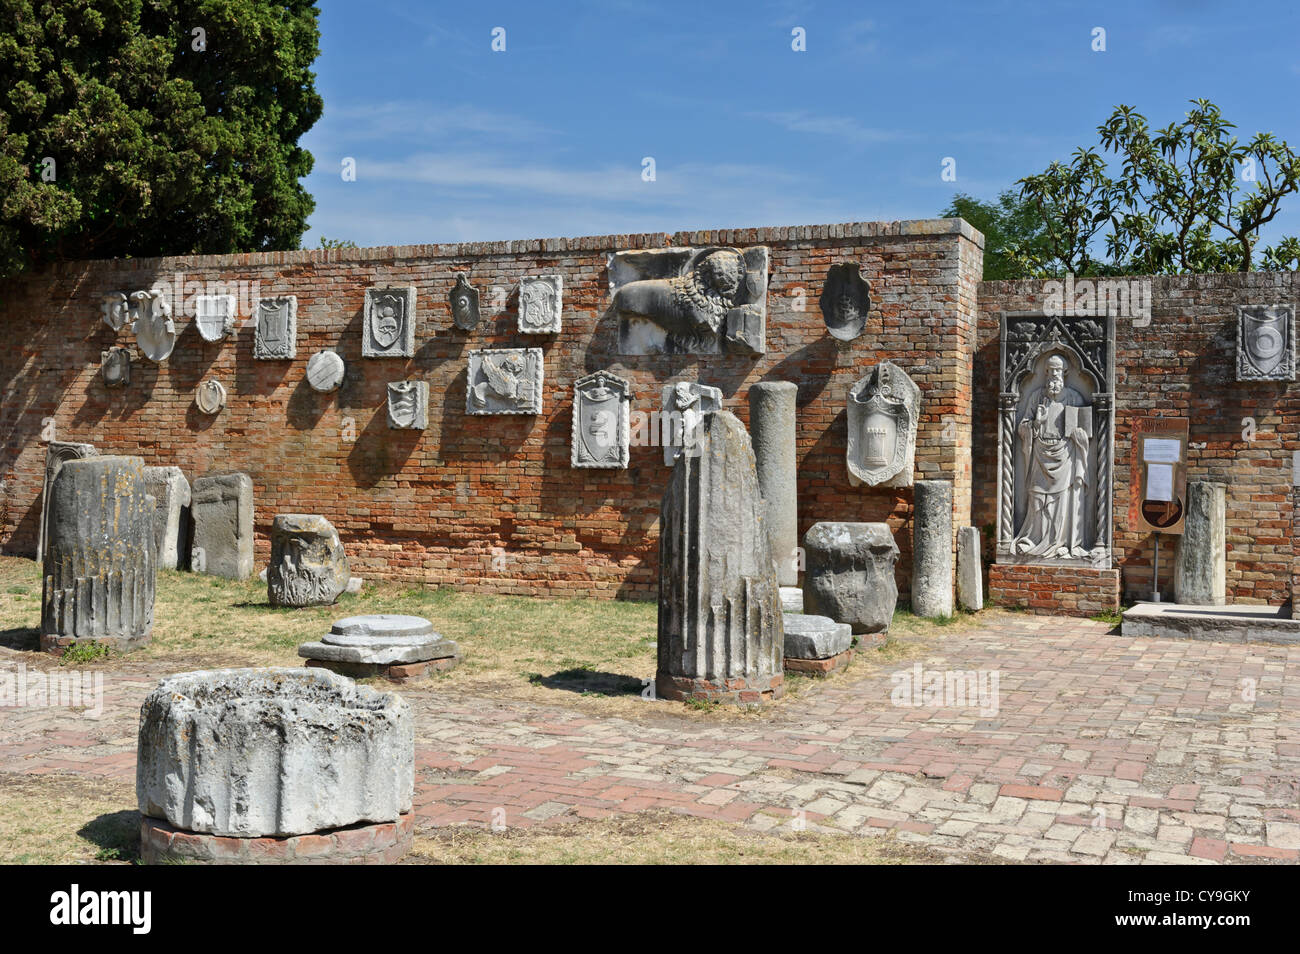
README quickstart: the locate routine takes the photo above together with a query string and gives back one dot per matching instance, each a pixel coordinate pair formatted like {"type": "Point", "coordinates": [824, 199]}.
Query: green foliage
{"type": "Point", "coordinates": [158, 146]}
{"type": "Point", "coordinates": [1186, 198]}
{"type": "Point", "coordinates": [79, 653]}
{"type": "Point", "coordinates": [336, 243]}
{"type": "Point", "coordinates": [1007, 222]}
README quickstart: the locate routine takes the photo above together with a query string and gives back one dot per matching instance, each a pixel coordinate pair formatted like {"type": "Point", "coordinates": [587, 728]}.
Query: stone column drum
{"type": "Point", "coordinates": [1200, 555]}
{"type": "Point", "coordinates": [772, 429]}
{"type": "Point", "coordinates": [720, 626]}
{"type": "Point", "coordinates": [271, 753]}
{"type": "Point", "coordinates": [932, 548]}
{"type": "Point", "coordinates": [99, 556]}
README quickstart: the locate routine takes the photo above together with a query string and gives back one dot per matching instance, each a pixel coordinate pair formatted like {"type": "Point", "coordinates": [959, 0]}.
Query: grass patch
{"type": "Point", "coordinates": [658, 838]}
{"type": "Point", "coordinates": [1113, 619]}
{"type": "Point", "coordinates": [81, 653]}
{"type": "Point", "coordinates": [67, 819]}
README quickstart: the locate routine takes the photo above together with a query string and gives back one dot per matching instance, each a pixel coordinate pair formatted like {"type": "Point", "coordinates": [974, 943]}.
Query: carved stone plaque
{"type": "Point", "coordinates": [155, 332]}
{"type": "Point", "coordinates": [116, 309]}
{"type": "Point", "coordinates": [845, 300]}
{"type": "Point", "coordinates": [214, 316]}
{"type": "Point", "coordinates": [275, 337]}
{"type": "Point", "coordinates": [690, 300]}
{"type": "Point", "coordinates": [681, 416]}
{"type": "Point", "coordinates": [504, 381]}
{"type": "Point", "coordinates": [390, 323]}
{"type": "Point", "coordinates": [884, 408]}
{"type": "Point", "coordinates": [1265, 343]}
{"type": "Point", "coordinates": [464, 304]}
{"type": "Point", "coordinates": [211, 396]}
{"type": "Point", "coordinates": [541, 299]}
{"type": "Point", "coordinates": [115, 366]}
{"type": "Point", "coordinates": [408, 405]}
{"type": "Point", "coordinates": [325, 371]}
{"type": "Point", "coordinates": [1056, 452]}
{"type": "Point", "coordinates": [601, 410]}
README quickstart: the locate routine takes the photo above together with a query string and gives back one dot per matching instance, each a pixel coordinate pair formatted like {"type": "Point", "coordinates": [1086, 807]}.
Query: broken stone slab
{"type": "Point", "coordinates": [255, 752]}
{"type": "Point", "coordinates": [791, 599]}
{"type": "Point", "coordinates": [849, 574]}
{"type": "Point", "coordinates": [309, 566]}
{"type": "Point", "coordinates": [221, 510]}
{"type": "Point", "coordinates": [98, 568]}
{"type": "Point", "coordinates": [171, 517]}
{"type": "Point", "coordinates": [970, 572]}
{"type": "Point", "coordinates": [815, 637]}
{"type": "Point", "coordinates": [1200, 554]}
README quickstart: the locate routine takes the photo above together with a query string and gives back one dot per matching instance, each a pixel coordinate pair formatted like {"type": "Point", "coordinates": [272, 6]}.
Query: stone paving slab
{"type": "Point", "coordinates": [1100, 749]}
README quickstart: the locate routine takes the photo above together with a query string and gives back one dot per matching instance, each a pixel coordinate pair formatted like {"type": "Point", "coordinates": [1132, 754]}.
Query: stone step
{"type": "Point", "coordinates": [1225, 624]}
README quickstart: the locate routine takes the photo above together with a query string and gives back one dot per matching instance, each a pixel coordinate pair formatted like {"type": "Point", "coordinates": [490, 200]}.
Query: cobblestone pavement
{"type": "Point", "coordinates": [1102, 749]}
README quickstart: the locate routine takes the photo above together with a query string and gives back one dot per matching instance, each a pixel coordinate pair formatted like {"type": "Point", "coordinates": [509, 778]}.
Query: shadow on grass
{"type": "Point", "coordinates": [590, 682]}
{"type": "Point", "coordinates": [117, 835]}
{"type": "Point", "coordinates": [25, 638]}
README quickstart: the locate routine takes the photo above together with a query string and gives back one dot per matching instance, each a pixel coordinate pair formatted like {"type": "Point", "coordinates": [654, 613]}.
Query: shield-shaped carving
{"type": "Point", "coordinates": [386, 320]}
{"type": "Point", "coordinates": [464, 304]}
{"type": "Point", "coordinates": [600, 420]}
{"type": "Point", "coordinates": [273, 323]}
{"type": "Point", "coordinates": [883, 411]}
{"type": "Point", "coordinates": [539, 304]}
{"type": "Point", "coordinates": [214, 315]}
{"type": "Point", "coordinates": [1265, 337]}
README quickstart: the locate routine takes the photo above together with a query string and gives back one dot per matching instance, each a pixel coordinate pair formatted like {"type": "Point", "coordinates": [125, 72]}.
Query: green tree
{"type": "Point", "coordinates": [149, 127]}
{"type": "Point", "coordinates": [1006, 222]}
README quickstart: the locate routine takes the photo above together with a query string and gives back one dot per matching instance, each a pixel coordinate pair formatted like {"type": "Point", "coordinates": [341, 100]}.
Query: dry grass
{"type": "Point", "coordinates": [66, 819]}
{"type": "Point", "coordinates": [596, 655]}
{"type": "Point", "coordinates": [658, 838]}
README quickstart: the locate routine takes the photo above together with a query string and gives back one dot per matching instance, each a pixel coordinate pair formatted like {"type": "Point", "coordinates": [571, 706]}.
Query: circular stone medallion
{"type": "Point", "coordinates": [211, 396]}
{"type": "Point", "coordinates": [325, 371]}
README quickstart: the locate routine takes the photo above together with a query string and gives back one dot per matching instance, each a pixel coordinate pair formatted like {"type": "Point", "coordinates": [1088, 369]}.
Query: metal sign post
{"type": "Point", "coordinates": [1155, 569]}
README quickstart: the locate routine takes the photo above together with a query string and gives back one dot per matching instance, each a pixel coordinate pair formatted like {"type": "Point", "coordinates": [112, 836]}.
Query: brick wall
{"type": "Point", "coordinates": [488, 503]}
{"type": "Point", "coordinates": [1182, 364]}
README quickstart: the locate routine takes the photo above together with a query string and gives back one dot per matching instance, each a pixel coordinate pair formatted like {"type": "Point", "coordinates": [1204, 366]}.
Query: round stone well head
{"type": "Point", "coordinates": [273, 752]}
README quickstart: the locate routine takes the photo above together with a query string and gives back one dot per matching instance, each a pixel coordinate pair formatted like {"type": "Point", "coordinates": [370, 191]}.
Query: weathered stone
{"type": "Point", "coordinates": [408, 405]}
{"type": "Point", "coordinates": [541, 301]}
{"type": "Point", "coordinates": [845, 300]}
{"type": "Point", "coordinates": [719, 605]}
{"type": "Point", "coordinates": [308, 564]}
{"type": "Point", "coordinates": [690, 301]}
{"type": "Point", "coordinates": [389, 330]}
{"type": "Point", "coordinates": [600, 432]}
{"type": "Point", "coordinates": [970, 571]}
{"type": "Point", "coordinates": [682, 410]}
{"type": "Point", "coordinates": [1200, 554]}
{"type": "Point", "coordinates": [504, 381]}
{"type": "Point", "coordinates": [155, 331]}
{"type": "Point", "coordinates": [380, 639]}
{"type": "Point", "coordinates": [772, 408]}
{"type": "Point", "coordinates": [884, 407]}
{"type": "Point", "coordinates": [791, 599]}
{"type": "Point", "coordinates": [210, 397]}
{"type": "Point", "coordinates": [57, 453]}
{"type": "Point", "coordinates": [116, 310]}
{"type": "Point", "coordinates": [815, 637]}
{"type": "Point", "coordinates": [1266, 342]}
{"type": "Point", "coordinates": [171, 524]}
{"type": "Point", "coordinates": [222, 539]}
{"type": "Point", "coordinates": [99, 562]}
{"type": "Point", "coordinates": [849, 574]}
{"type": "Point", "coordinates": [276, 336]}
{"type": "Point", "coordinates": [325, 371]}
{"type": "Point", "coordinates": [932, 548]}
{"type": "Point", "coordinates": [464, 304]}
{"type": "Point", "coordinates": [1056, 454]}
{"type": "Point", "coordinates": [214, 316]}
{"type": "Point", "coordinates": [115, 367]}
{"type": "Point", "coordinates": [255, 752]}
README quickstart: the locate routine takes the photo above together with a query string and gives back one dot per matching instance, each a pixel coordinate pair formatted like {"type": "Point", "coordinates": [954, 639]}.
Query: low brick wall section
{"type": "Point", "coordinates": [1055, 590]}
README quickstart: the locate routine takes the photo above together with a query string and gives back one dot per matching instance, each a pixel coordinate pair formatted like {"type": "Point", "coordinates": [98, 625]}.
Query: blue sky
{"type": "Point", "coordinates": [455, 142]}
